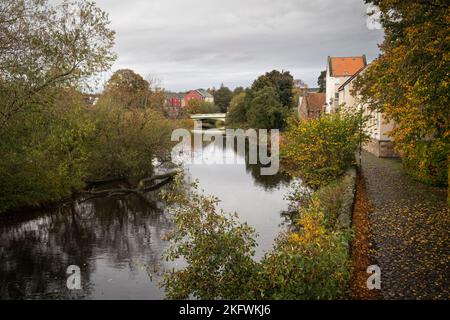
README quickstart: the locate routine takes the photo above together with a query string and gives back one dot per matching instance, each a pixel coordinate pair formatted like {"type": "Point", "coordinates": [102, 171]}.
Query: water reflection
{"type": "Point", "coordinates": [258, 199]}
{"type": "Point", "coordinates": [118, 242]}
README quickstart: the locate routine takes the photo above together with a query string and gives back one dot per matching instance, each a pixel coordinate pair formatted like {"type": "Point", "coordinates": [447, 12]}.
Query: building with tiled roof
{"type": "Point", "coordinates": [205, 94]}
{"type": "Point", "coordinates": [311, 105]}
{"type": "Point", "coordinates": [339, 70]}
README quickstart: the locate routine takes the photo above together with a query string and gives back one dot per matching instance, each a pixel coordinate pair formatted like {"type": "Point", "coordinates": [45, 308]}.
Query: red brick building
{"type": "Point", "coordinates": [174, 99]}
{"type": "Point", "coordinates": [199, 94]}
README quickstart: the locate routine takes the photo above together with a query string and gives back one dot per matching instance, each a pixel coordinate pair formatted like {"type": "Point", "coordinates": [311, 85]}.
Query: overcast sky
{"type": "Point", "coordinates": [190, 44]}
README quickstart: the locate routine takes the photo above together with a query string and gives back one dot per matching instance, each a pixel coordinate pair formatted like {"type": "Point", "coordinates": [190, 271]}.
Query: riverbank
{"type": "Point", "coordinates": [119, 242]}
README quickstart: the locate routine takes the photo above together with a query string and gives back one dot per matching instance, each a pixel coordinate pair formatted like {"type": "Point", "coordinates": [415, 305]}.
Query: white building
{"type": "Point", "coordinates": [339, 70]}
{"type": "Point", "coordinates": [377, 127]}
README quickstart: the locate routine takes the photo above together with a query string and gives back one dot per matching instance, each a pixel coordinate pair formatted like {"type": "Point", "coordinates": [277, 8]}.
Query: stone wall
{"type": "Point", "coordinates": [344, 219]}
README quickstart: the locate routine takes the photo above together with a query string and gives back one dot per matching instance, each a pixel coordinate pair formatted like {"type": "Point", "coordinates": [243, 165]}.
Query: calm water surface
{"type": "Point", "coordinates": [118, 242]}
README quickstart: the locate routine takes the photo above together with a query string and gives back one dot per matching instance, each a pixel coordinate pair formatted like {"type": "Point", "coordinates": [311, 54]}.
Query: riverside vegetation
{"type": "Point", "coordinates": [51, 142]}
{"type": "Point", "coordinates": [311, 261]}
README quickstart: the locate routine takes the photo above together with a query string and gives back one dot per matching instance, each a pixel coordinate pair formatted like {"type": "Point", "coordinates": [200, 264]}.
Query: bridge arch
{"type": "Point", "coordinates": [199, 117]}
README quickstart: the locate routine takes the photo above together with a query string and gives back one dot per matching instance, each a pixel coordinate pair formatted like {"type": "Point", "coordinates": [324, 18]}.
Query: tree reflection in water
{"type": "Point", "coordinates": [121, 233]}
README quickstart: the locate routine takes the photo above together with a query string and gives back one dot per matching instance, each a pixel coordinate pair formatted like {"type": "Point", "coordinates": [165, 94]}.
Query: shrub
{"type": "Point", "coordinates": [44, 154]}
{"type": "Point", "coordinates": [217, 248]}
{"type": "Point", "coordinates": [197, 106]}
{"type": "Point", "coordinates": [427, 162]}
{"type": "Point", "coordinates": [320, 150]}
{"type": "Point", "coordinates": [311, 263]}
{"type": "Point", "coordinates": [127, 141]}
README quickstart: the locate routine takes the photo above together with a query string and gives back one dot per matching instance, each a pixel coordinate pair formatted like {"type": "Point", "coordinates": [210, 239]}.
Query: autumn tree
{"type": "Point", "coordinates": [43, 47]}
{"type": "Point", "coordinates": [197, 106]}
{"type": "Point", "coordinates": [130, 89]}
{"type": "Point", "coordinates": [409, 82]}
{"type": "Point", "coordinates": [47, 54]}
{"type": "Point", "coordinates": [321, 150]}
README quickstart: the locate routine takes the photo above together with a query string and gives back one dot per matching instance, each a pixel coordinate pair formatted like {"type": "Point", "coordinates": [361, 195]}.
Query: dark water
{"type": "Point", "coordinates": [117, 243]}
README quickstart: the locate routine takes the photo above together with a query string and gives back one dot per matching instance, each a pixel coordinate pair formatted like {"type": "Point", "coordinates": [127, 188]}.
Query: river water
{"type": "Point", "coordinates": [118, 243]}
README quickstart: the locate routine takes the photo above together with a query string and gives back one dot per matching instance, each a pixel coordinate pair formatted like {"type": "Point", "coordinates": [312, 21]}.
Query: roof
{"type": "Point", "coordinates": [170, 95]}
{"type": "Point", "coordinates": [345, 66]}
{"type": "Point", "coordinates": [204, 93]}
{"type": "Point", "coordinates": [351, 78]}
{"type": "Point", "coordinates": [315, 101]}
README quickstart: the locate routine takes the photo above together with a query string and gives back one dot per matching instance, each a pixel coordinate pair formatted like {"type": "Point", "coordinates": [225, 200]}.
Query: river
{"type": "Point", "coordinates": [117, 243]}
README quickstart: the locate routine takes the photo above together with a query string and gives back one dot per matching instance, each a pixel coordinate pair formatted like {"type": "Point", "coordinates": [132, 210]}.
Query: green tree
{"type": "Point", "coordinates": [43, 47]}
{"type": "Point", "coordinates": [265, 110]}
{"type": "Point", "coordinates": [238, 90]}
{"type": "Point", "coordinates": [321, 81]}
{"type": "Point", "coordinates": [320, 150]}
{"type": "Point", "coordinates": [237, 111]}
{"type": "Point", "coordinates": [47, 53]}
{"type": "Point", "coordinates": [282, 82]}
{"type": "Point", "coordinates": [222, 98]}
{"type": "Point", "coordinates": [409, 82]}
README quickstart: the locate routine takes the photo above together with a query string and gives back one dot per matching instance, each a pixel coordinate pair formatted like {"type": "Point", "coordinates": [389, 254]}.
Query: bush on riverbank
{"type": "Point", "coordinates": [49, 153]}
{"type": "Point", "coordinates": [126, 141]}
{"type": "Point", "coordinates": [320, 150]}
{"type": "Point", "coordinates": [309, 263]}
{"type": "Point", "coordinates": [217, 248]}
{"type": "Point", "coordinates": [44, 153]}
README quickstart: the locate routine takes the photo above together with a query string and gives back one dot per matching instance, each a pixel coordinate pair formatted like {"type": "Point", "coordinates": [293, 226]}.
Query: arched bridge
{"type": "Point", "coordinates": [199, 117]}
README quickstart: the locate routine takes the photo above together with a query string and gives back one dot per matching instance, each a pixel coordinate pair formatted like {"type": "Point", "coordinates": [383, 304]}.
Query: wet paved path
{"type": "Point", "coordinates": [410, 224]}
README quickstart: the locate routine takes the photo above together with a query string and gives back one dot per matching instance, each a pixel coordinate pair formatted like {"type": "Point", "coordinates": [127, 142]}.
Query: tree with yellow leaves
{"type": "Point", "coordinates": [409, 82]}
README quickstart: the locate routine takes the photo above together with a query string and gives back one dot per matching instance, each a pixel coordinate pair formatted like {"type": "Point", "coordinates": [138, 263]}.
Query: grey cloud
{"type": "Point", "coordinates": [202, 43]}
